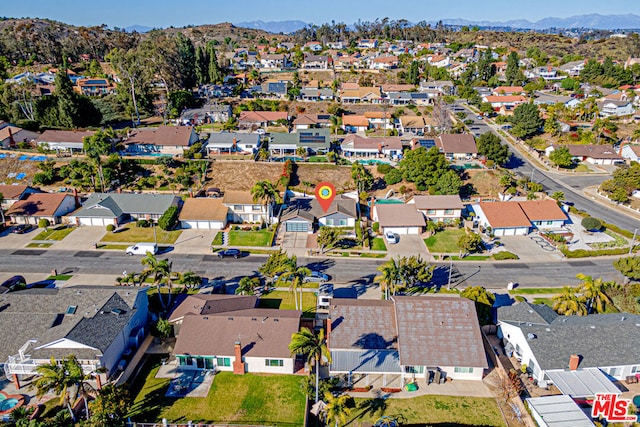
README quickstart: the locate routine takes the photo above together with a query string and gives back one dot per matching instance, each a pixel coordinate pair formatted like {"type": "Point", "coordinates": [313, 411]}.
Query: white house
{"type": "Point", "coordinates": [631, 152]}
{"type": "Point", "coordinates": [399, 218]}
{"type": "Point", "coordinates": [597, 154]}
{"type": "Point", "coordinates": [203, 213]}
{"type": "Point", "coordinates": [518, 218]}
{"type": "Point", "coordinates": [546, 341]}
{"type": "Point", "coordinates": [358, 146]}
{"type": "Point", "coordinates": [439, 208]}
{"type": "Point", "coordinates": [615, 108]}
{"type": "Point", "coordinates": [242, 208]}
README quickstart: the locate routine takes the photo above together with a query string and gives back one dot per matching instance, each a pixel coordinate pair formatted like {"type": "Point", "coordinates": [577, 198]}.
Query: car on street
{"type": "Point", "coordinates": [14, 283]}
{"type": "Point", "coordinates": [230, 253]}
{"type": "Point", "coordinates": [479, 117]}
{"type": "Point", "coordinates": [260, 131]}
{"type": "Point", "coordinates": [316, 276]}
{"type": "Point", "coordinates": [21, 228]}
{"type": "Point", "coordinates": [392, 238]}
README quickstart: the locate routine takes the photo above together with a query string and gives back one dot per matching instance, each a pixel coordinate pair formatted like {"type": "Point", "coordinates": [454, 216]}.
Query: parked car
{"type": "Point", "coordinates": [235, 253]}
{"type": "Point", "coordinates": [14, 283]}
{"type": "Point", "coordinates": [479, 117]}
{"type": "Point", "coordinates": [21, 228]}
{"type": "Point", "coordinates": [260, 131]}
{"type": "Point", "coordinates": [316, 276]}
{"type": "Point", "coordinates": [392, 238]}
{"type": "Point", "coordinates": [142, 249]}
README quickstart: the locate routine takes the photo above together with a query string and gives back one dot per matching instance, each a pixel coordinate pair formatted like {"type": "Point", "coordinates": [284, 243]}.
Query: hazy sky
{"type": "Point", "coordinates": [164, 13]}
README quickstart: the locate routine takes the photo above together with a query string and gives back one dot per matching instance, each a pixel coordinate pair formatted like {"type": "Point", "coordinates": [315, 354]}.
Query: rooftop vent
{"type": "Point", "coordinates": [547, 329]}
{"type": "Point", "coordinates": [531, 336]}
{"type": "Point", "coordinates": [229, 318]}
{"type": "Point", "coordinates": [117, 311]}
{"type": "Point", "coordinates": [593, 326]}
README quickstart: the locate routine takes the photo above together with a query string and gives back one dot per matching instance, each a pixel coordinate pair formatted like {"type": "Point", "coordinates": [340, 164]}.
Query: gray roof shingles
{"type": "Point", "coordinates": [112, 205]}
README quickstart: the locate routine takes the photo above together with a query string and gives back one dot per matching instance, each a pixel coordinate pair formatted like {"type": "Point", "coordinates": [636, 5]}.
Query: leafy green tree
{"type": "Point", "coordinates": [328, 237]}
{"type": "Point", "coordinates": [513, 74]}
{"type": "Point", "coordinates": [486, 68]}
{"type": "Point", "coordinates": [489, 145]}
{"type": "Point", "coordinates": [506, 181]}
{"type": "Point", "coordinates": [215, 73]}
{"type": "Point", "coordinates": [551, 126]}
{"type": "Point", "coordinates": [414, 270]}
{"type": "Point", "coordinates": [628, 266]}
{"type": "Point", "coordinates": [593, 290]}
{"type": "Point", "coordinates": [591, 223]}
{"type": "Point", "coordinates": [394, 176]}
{"type": "Point", "coordinates": [179, 100]}
{"type": "Point", "coordinates": [160, 272]}
{"type": "Point", "coordinates": [169, 218]}
{"type": "Point", "coordinates": [248, 285]}
{"type": "Point", "coordinates": [389, 278]}
{"type": "Point", "coordinates": [470, 243]}
{"type": "Point", "coordinates": [423, 167]}
{"type": "Point", "coordinates": [484, 302]}
{"type": "Point", "coordinates": [111, 406]}
{"type": "Point", "coordinates": [265, 192]}
{"type": "Point", "coordinates": [558, 196]}
{"type": "Point", "coordinates": [202, 66]}
{"type": "Point", "coordinates": [561, 157]}
{"type": "Point", "coordinates": [449, 183]}
{"type": "Point", "coordinates": [526, 120]}
{"type": "Point", "coordinates": [164, 328]}
{"type": "Point", "coordinates": [274, 263]}
{"type": "Point", "coordinates": [413, 75]}
{"type": "Point", "coordinates": [337, 408]}
{"type": "Point", "coordinates": [98, 144]}
{"type": "Point", "coordinates": [362, 178]}
{"type": "Point", "coordinates": [313, 347]}
{"type": "Point", "coordinates": [291, 272]}
{"type": "Point", "coordinates": [568, 303]}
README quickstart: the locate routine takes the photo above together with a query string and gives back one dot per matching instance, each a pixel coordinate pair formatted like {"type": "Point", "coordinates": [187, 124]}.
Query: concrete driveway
{"type": "Point", "coordinates": [8, 240]}
{"type": "Point", "coordinates": [194, 241]}
{"type": "Point", "coordinates": [80, 239]}
{"type": "Point", "coordinates": [409, 244]}
{"type": "Point", "coordinates": [530, 248]}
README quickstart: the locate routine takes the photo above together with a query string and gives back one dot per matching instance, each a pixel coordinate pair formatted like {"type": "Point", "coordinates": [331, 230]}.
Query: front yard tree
{"type": "Point", "coordinates": [248, 285]}
{"type": "Point", "coordinates": [470, 243]}
{"type": "Point", "coordinates": [513, 73]}
{"type": "Point", "coordinates": [160, 272]}
{"type": "Point", "coordinates": [558, 196]}
{"type": "Point", "coordinates": [629, 267]}
{"type": "Point", "coordinates": [313, 347]}
{"type": "Point", "coordinates": [593, 290]}
{"type": "Point", "coordinates": [414, 270]}
{"type": "Point", "coordinates": [295, 274]}
{"type": "Point", "coordinates": [337, 408]}
{"type": "Point", "coordinates": [111, 406]}
{"type": "Point", "coordinates": [328, 238]}
{"type": "Point", "coordinates": [561, 157]}
{"type": "Point", "coordinates": [568, 303]}
{"type": "Point", "coordinates": [489, 145]}
{"type": "Point", "coordinates": [526, 120]}
{"type": "Point", "coordinates": [389, 278]}
{"type": "Point", "coordinates": [274, 264]}
{"type": "Point", "coordinates": [484, 302]}
{"type": "Point", "coordinates": [266, 192]}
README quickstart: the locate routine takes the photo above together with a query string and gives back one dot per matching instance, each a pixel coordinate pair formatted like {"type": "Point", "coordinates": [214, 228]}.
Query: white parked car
{"type": "Point", "coordinates": [392, 238]}
{"type": "Point", "coordinates": [260, 131]}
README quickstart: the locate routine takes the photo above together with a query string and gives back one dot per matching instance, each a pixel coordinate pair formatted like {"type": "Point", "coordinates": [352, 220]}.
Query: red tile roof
{"type": "Point", "coordinates": [37, 204]}
{"type": "Point", "coordinates": [504, 214]}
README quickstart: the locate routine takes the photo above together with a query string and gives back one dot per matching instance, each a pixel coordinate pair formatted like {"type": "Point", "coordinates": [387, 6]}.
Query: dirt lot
{"type": "Point", "coordinates": [485, 182]}
{"type": "Point", "coordinates": [239, 175]}
{"type": "Point", "coordinates": [13, 165]}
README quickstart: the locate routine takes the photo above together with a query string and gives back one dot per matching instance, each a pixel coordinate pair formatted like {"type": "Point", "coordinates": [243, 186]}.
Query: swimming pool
{"type": "Point", "coordinates": [9, 402]}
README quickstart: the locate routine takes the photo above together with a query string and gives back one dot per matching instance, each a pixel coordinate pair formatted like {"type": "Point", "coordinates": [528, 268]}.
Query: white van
{"type": "Point", "coordinates": [142, 249]}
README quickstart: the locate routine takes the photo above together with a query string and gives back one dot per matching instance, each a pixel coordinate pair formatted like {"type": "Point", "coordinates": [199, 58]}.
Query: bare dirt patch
{"type": "Point", "coordinates": [485, 182]}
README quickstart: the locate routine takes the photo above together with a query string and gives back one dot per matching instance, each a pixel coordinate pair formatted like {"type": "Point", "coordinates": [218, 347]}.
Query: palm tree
{"type": "Point", "coordinates": [295, 274]}
{"type": "Point", "coordinates": [247, 285]}
{"type": "Point", "coordinates": [311, 346]}
{"type": "Point", "coordinates": [593, 292]}
{"type": "Point", "coordinates": [267, 193]}
{"type": "Point", "coordinates": [190, 280]}
{"type": "Point", "coordinates": [337, 408]}
{"type": "Point", "coordinates": [568, 303]}
{"type": "Point", "coordinates": [59, 378]}
{"type": "Point", "coordinates": [160, 270]}
{"type": "Point", "coordinates": [390, 276]}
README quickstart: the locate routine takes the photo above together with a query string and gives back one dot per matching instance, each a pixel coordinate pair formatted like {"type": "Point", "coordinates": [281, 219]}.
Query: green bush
{"type": "Point", "coordinates": [375, 226]}
{"type": "Point", "coordinates": [504, 255]}
{"type": "Point", "coordinates": [583, 253]}
{"type": "Point", "coordinates": [111, 227]}
{"type": "Point", "coordinates": [43, 223]}
{"type": "Point", "coordinates": [384, 168]}
{"type": "Point", "coordinates": [520, 298]}
{"type": "Point", "coordinates": [394, 176]}
{"type": "Point", "coordinates": [591, 223]}
{"type": "Point", "coordinates": [142, 223]}
{"type": "Point", "coordinates": [169, 218]}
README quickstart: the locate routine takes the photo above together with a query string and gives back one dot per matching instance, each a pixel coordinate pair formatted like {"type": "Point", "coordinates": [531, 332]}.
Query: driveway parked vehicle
{"type": "Point", "coordinates": [21, 228]}
{"type": "Point", "coordinates": [392, 238]}
{"type": "Point", "coordinates": [14, 283]}
{"type": "Point", "coordinates": [235, 253]}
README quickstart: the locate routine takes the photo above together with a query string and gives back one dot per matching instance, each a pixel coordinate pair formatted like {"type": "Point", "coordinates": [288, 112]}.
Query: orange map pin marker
{"type": "Point", "coordinates": [325, 193]}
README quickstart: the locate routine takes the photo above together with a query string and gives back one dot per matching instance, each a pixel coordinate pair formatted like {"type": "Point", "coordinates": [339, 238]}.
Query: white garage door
{"type": "Point", "coordinates": [202, 225]}
{"type": "Point", "coordinates": [100, 222]}
{"type": "Point", "coordinates": [397, 230]}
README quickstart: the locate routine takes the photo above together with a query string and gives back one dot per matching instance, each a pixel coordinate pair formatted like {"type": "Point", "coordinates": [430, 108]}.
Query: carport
{"type": "Point", "coordinates": [582, 383]}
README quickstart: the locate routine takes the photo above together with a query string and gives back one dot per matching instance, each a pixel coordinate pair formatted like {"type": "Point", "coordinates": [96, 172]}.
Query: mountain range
{"type": "Point", "coordinates": [593, 21]}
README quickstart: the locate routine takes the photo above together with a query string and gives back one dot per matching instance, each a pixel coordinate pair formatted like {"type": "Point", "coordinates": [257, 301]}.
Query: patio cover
{"type": "Point", "coordinates": [366, 361]}
{"type": "Point", "coordinates": [558, 411]}
{"type": "Point", "coordinates": [582, 383]}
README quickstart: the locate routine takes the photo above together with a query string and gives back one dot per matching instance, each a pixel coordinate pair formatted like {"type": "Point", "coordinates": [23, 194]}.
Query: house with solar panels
{"type": "Point", "coordinates": [315, 141]}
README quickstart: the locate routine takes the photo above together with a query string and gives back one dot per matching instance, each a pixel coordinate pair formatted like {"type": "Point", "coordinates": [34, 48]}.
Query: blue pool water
{"type": "Point", "coordinates": [6, 404]}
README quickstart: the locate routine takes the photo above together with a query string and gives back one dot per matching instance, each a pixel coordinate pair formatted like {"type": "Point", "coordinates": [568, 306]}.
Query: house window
{"type": "Point", "coordinates": [448, 211]}
{"type": "Point", "coordinates": [615, 372]}
{"type": "Point", "coordinates": [414, 369]}
{"type": "Point", "coordinates": [273, 362]}
{"type": "Point", "coordinates": [549, 222]}
{"type": "Point", "coordinates": [635, 369]}
{"type": "Point", "coordinates": [256, 208]}
{"type": "Point", "coordinates": [431, 211]}
{"type": "Point", "coordinates": [462, 370]}
{"type": "Point", "coordinates": [223, 361]}
{"type": "Point", "coordinates": [237, 208]}
{"type": "Point", "coordinates": [343, 223]}
{"type": "Point", "coordinates": [329, 221]}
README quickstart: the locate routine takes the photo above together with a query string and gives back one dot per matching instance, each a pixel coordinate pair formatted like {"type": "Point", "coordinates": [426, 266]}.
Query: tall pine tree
{"type": "Point", "coordinates": [215, 74]}
{"type": "Point", "coordinates": [186, 62]}
{"type": "Point", "coordinates": [512, 73]}
{"type": "Point", "coordinates": [202, 65]}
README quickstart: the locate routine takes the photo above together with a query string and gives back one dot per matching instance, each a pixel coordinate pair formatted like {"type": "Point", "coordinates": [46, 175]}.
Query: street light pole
{"type": "Point", "coordinates": [450, 268]}
{"type": "Point", "coordinates": [635, 233]}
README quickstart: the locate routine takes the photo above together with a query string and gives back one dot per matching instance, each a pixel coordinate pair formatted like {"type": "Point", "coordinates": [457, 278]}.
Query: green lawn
{"type": "Point", "coordinates": [430, 410]}
{"type": "Point", "coordinates": [378, 244]}
{"type": "Point", "coordinates": [39, 245]}
{"type": "Point", "coordinates": [134, 234]}
{"type": "Point", "coordinates": [284, 301]}
{"type": "Point", "coordinates": [54, 233]}
{"type": "Point", "coordinates": [253, 399]}
{"type": "Point", "coordinates": [533, 291]}
{"type": "Point", "coordinates": [445, 241]}
{"type": "Point", "coordinates": [250, 238]}
{"type": "Point", "coordinates": [60, 277]}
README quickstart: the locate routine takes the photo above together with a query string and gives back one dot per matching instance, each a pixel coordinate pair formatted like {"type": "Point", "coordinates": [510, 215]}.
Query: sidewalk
{"type": "Point", "coordinates": [592, 193]}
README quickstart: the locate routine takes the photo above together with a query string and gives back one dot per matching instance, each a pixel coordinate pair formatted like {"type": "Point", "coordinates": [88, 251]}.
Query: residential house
{"type": "Point", "coordinates": [573, 68]}
{"type": "Point", "coordinates": [11, 136]}
{"type": "Point", "coordinates": [613, 108]}
{"type": "Point", "coordinates": [367, 43]}
{"type": "Point", "coordinates": [313, 46]}
{"type": "Point", "coordinates": [547, 342]}
{"type": "Point", "coordinates": [226, 333]}
{"type": "Point", "coordinates": [96, 324]}
{"type": "Point", "coordinates": [242, 208]}
{"type": "Point", "coordinates": [399, 218]}
{"type": "Point", "coordinates": [358, 146]}
{"type": "Point", "coordinates": [305, 215]}
{"type": "Point", "coordinates": [354, 123]}
{"type": "Point", "coordinates": [203, 213]}
{"type": "Point", "coordinates": [423, 98]}
{"type": "Point", "coordinates": [63, 140]}
{"type": "Point", "coordinates": [548, 73]}
{"type": "Point", "coordinates": [276, 61]}
{"type": "Point", "coordinates": [315, 95]}
{"type": "Point", "coordinates": [37, 206]}
{"type": "Point", "coordinates": [94, 86]}
{"type": "Point", "coordinates": [439, 208]}
{"type": "Point", "coordinates": [384, 63]}
{"type": "Point", "coordinates": [361, 94]}
{"type": "Point", "coordinates": [438, 60]}
{"type": "Point", "coordinates": [603, 154]}
{"type": "Point", "coordinates": [315, 62]}
{"type": "Point", "coordinates": [314, 141]}
{"type": "Point", "coordinates": [504, 104]}
{"type": "Point", "coordinates": [388, 88]}
{"type": "Point", "coordinates": [379, 119]}
{"type": "Point", "coordinates": [406, 339]}
{"type": "Point", "coordinates": [457, 146]}
{"type": "Point", "coordinates": [312, 121]}
{"type": "Point", "coordinates": [507, 90]}
{"type": "Point", "coordinates": [445, 87]}
{"type": "Point", "coordinates": [339, 45]}
{"type": "Point", "coordinates": [628, 151]}
{"type": "Point", "coordinates": [219, 112]}
{"type": "Point", "coordinates": [261, 119]}
{"type": "Point", "coordinates": [14, 193]}
{"type": "Point", "coordinates": [168, 140]}
{"type": "Point", "coordinates": [233, 143]}
{"type": "Point", "coordinates": [102, 209]}
{"type": "Point", "coordinates": [399, 98]}
{"type": "Point", "coordinates": [542, 98]}
{"type": "Point", "coordinates": [416, 125]}
{"type": "Point", "coordinates": [275, 87]}
{"type": "Point", "coordinates": [518, 218]}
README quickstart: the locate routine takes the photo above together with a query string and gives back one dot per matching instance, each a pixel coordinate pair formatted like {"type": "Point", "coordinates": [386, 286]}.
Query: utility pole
{"type": "Point", "coordinates": [635, 233]}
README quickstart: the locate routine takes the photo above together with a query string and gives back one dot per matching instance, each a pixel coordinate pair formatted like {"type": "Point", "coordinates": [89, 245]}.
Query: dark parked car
{"type": "Point", "coordinates": [15, 283]}
{"type": "Point", "coordinates": [235, 253]}
{"type": "Point", "coordinates": [22, 228]}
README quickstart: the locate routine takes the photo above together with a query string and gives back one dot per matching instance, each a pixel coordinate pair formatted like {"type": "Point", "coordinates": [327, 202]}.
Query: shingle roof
{"type": "Point", "coordinates": [457, 143]}
{"type": "Point", "coordinates": [438, 202]}
{"type": "Point", "coordinates": [262, 332]}
{"type": "Point", "coordinates": [63, 136]}
{"type": "Point", "coordinates": [12, 191]}
{"type": "Point", "coordinates": [162, 135]}
{"type": "Point", "coordinates": [238, 197]}
{"type": "Point", "coordinates": [525, 312]}
{"type": "Point", "coordinates": [37, 204]}
{"type": "Point", "coordinates": [310, 209]}
{"type": "Point", "coordinates": [354, 120]}
{"type": "Point", "coordinates": [542, 210]}
{"type": "Point", "coordinates": [112, 205]}
{"type": "Point", "coordinates": [263, 116]}
{"type": "Point", "coordinates": [399, 215]}
{"type": "Point", "coordinates": [604, 151]}
{"type": "Point", "coordinates": [357, 142]}
{"type": "Point", "coordinates": [211, 304]}
{"type": "Point", "coordinates": [362, 325]}
{"type": "Point", "coordinates": [203, 209]}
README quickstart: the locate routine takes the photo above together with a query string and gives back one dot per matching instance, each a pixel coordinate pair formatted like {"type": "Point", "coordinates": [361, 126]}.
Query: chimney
{"type": "Point", "coordinates": [328, 335]}
{"type": "Point", "coordinates": [574, 361]}
{"type": "Point", "coordinates": [238, 364]}
{"type": "Point", "coordinates": [76, 198]}
{"type": "Point", "coordinates": [12, 143]}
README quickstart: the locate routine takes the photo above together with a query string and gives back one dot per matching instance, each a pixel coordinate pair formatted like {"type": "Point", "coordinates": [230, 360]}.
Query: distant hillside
{"type": "Point", "coordinates": [276, 27]}
{"type": "Point", "coordinates": [593, 21]}
{"type": "Point", "coordinates": [138, 29]}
